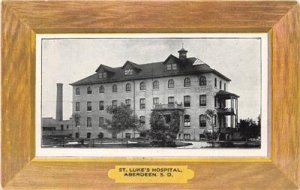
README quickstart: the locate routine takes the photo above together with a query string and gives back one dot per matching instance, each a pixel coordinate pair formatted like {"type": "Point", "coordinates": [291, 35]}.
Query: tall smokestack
{"type": "Point", "coordinates": [59, 102]}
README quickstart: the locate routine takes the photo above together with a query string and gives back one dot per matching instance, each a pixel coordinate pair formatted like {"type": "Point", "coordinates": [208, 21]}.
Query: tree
{"type": "Point", "coordinates": [210, 115]}
{"type": "Point", "coordinates": [122, 119]}
{"type": "Point", "coordinates": [248, 128]}
{"type": "Point", "coordinates": [162, 132]}
{"type": "Point", "coordinates": [76, 117]}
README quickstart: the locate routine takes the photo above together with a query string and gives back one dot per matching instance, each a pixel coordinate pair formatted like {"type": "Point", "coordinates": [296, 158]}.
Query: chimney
{"type": "Point", "coordinates": [59, 102]}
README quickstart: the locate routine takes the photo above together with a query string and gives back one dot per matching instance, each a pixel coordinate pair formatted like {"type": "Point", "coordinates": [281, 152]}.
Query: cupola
{"type": "Point", "coordinates": [182, 53]}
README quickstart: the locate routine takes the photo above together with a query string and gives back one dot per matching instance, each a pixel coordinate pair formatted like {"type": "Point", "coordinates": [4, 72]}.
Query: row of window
{"type": "Point", "coordinates": [187, 121]}
{"type": "Point", "coordinates": [101, 135]}
{"type": "Point", "coordinates": [171, 66]}
{"type": "Point", "coordinates": [155, 85]}
{"type": "Point", "coordinates": [171, 101]}
{"type": "Point", "coordinates": [220, 84]}
{"type": "Point", "coordinates": [103, 74]}
{"type": "Point", "coordinates": [186, 136]}
{"type": "Point", "coordinates": [202, 120]}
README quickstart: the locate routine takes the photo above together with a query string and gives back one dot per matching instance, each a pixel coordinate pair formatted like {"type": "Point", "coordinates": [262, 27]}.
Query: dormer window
{"type": "Point", "coordinates": [102, 75]}
{"type": "Point", "coordinates": [174, 66]}
{"type": "Point", "coordinates": [129, 72]}
{"type": "Point", "coordinates": [171, 66]}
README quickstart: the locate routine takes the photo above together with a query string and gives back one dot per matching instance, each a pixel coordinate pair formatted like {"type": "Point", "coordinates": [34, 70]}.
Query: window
{"type": "Point", "coordinates": [128, 87]}
{"type": "Point", "coordinates": [155, 101]}
{"type": "Point", "coordinates": [172, 66]}
{"type": "Point", "coordinates": [156, 85]}
{"type": "Point", "coordinates": [115, 88]}
{"type": "Point", "coordinates": [142, 86]}
{"type": "Point", "coordinates": [129, 72]}
{"type": "Point", "coordinates": [101, 105]}
{"type": "Point", "coordinates": [102, 75]}
{"type": "Point", "coordinates": [89, 121]}
{"type": "Point", "coordinates": [187, 120]}
{"type": "Point", "coordinates": [128, 102]}
{"type": "Point", "coordinates": [142, 121]}
{"type": "Point", "coordinates": [169, 67]}
{"type": "Point", "coordinates": [202, 120]}
{"type": "Point", "coordinates": [114, 103]}
{"type": "Point", "coordinates": [202, 100]}
{"type": "Point", "coordinates": [67, 126]}
{"type": "Point", "coordinates": [187, 82]}
{"type": "Point", "coordinates": [224, 86]}
{"type": "Point", "coordinates": [101, 135]}
{"type": "Point", "coordinates": [77, 121]}
{"type": "Point", "coordinates": [127, 135]}
{"type": "Point", "coordinates": [216, 82]}
{"type": "Point", "coordinates": [101, 121]}
{"type": "Point", "coordinates": [171, 83]}
{"type": "Point", "coordinates": [88, 135]}
{"type": "Point", "coordinates": [76, 135]}
{"type": "Point", "coordinates": [77, 106]}
{"type": "Point", "coordinates": [215, 101]}
{"type": "Point", "coordinates": [77, 91]}
{"type": "Point", "coordinates": [187, 136]}
{"type": "Point", "coordinates": [202, 81]}
{"type": "Point", "coordinates": [89, 106]}
{"type": "Point", "coordinates": [171, 100]}
{"type": "Point", "coordinates": [220, 85]}
{"type": "Point", "coordinates": [202, 137]}
{"type": "Point", "coordinates": [187, 101]}
{"type": "Point", "coordinates": [89, 90]}
{"type": "Point", "coordinates": [101, 89]}
{"type": "Point", "coordinates": [61, 127]}
{"type": "Point", "coordinates": [142, 103]}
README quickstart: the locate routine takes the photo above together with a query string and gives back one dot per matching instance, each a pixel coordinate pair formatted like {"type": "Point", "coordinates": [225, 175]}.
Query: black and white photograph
{"type": "Point", "coordinates": [190, 94]}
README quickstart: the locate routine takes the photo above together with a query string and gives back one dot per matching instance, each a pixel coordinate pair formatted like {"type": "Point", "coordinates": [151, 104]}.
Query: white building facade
{"type": "Point", "coordinates": [177, 83]}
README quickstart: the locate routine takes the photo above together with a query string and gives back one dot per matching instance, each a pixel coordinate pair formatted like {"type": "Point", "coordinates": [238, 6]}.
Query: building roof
{"type": "Point", "coordinates": [106, 68]}
{"type": "Point", "coordinates": [150, 70]}
{"type": "Point", "coordinates": [226, 94]}
{"type": "Point", "coordinates": [182, 50]}
{"type": "Point", "coordinates": [132, 64]}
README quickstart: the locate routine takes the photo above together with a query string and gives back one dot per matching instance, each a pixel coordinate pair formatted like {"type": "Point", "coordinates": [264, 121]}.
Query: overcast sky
{"type": "Point", "coordinates": [68, 60]}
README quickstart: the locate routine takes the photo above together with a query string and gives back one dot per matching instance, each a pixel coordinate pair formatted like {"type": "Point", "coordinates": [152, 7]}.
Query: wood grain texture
{"type": "Point", "coordinates": [92, 175]}
{"type": "Point", "coordinates": [286, 95]}
{"type": "Point", "coordinates": [155, 16]}
{"type": "Point", "coordinates": [17, 95]}
{"type": "Point", "coordinates": [20, 22]}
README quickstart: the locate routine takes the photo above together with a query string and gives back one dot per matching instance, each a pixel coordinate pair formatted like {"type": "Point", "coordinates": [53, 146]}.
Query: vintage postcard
{"type": "Point", "coordinates": [152, 95]}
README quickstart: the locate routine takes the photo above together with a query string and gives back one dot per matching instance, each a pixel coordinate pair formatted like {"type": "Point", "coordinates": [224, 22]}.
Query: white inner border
{"type": "Point", "coordinates": [158, 152]}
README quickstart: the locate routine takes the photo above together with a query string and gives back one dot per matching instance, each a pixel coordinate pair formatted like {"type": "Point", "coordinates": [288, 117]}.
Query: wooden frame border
{"type": "Point", "coordinates": [22, 20]}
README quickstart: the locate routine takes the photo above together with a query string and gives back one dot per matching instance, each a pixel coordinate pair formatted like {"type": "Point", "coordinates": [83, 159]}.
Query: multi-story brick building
{"type": "Point", "coordinates": [179, 83]}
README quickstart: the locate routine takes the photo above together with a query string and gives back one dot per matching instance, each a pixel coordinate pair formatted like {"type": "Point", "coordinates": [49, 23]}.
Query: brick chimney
{"type": "Point", "coordinates": [59, 102]}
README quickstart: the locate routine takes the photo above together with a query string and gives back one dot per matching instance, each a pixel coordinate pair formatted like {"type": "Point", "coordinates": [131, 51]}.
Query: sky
{"type": "Point", "coordinates": [68, 60]}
